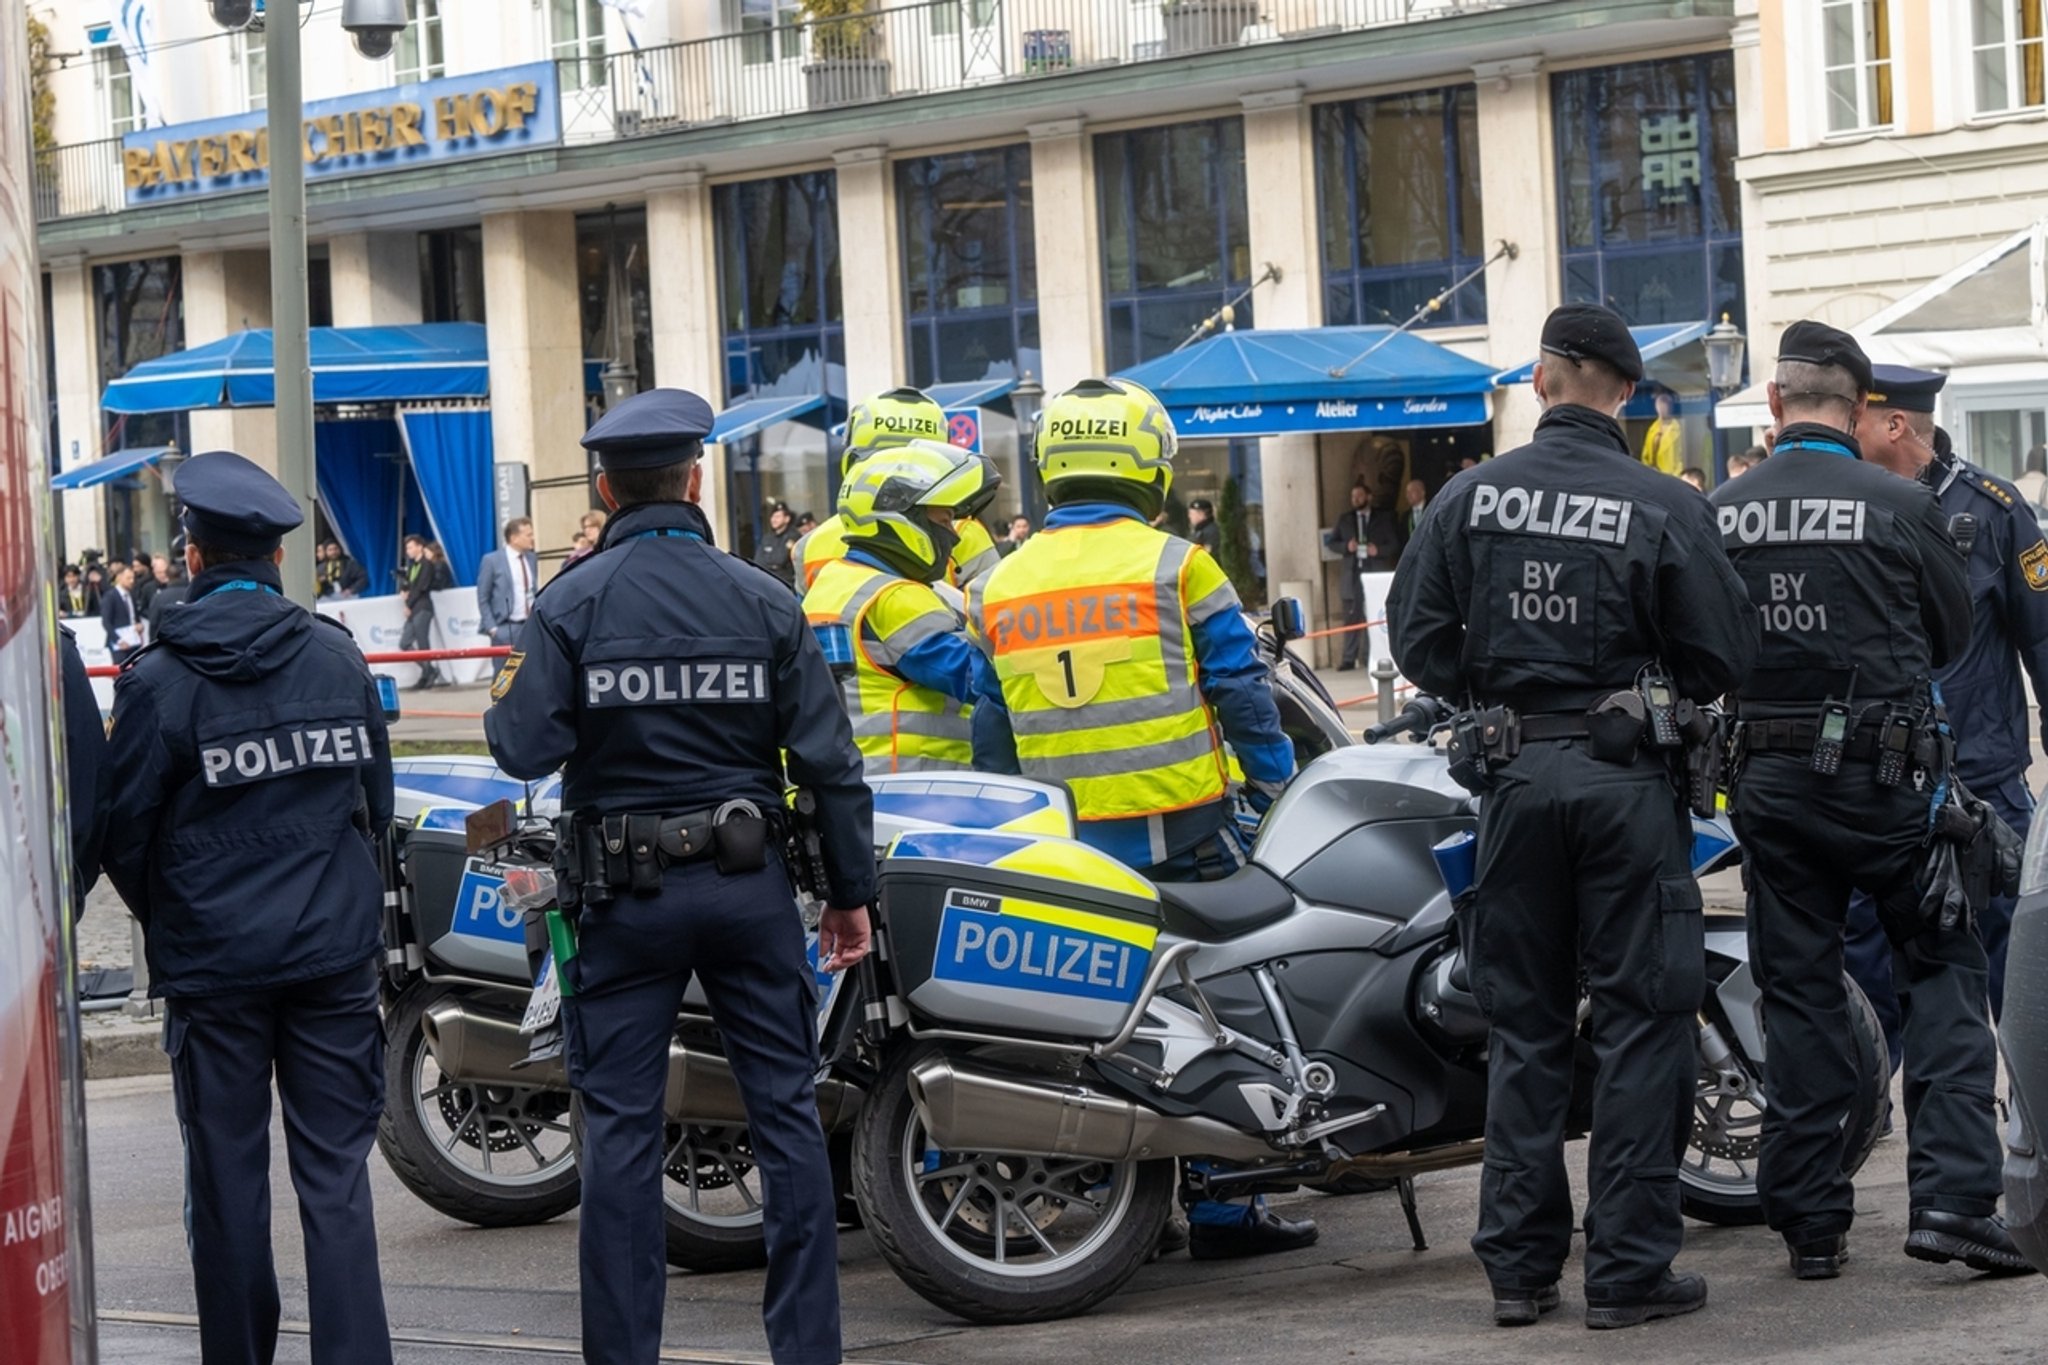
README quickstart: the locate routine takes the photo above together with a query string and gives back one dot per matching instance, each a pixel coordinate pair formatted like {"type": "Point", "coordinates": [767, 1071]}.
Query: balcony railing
{"type": "Point", "coordinates": [898, 52]}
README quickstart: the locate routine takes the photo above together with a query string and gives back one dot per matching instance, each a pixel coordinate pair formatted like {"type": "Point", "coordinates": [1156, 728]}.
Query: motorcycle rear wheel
{"type": "Point", "coordinates": [1717, 1176]}
{"type": "Point", "coordinates": [710, 1196]}
{"type": "Point", "coordinates": [996, 1238]}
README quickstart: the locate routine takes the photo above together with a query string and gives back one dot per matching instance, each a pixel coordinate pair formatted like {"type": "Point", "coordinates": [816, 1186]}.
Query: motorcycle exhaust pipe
{"type": "Point", "coordinates": [476, 1047]}
{"type": "Point", "coordinates": [969, 1110]}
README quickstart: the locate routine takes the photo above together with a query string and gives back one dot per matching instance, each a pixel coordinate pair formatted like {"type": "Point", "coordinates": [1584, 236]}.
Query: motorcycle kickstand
{"type": "Point", "coordinates": [1406, 1186]}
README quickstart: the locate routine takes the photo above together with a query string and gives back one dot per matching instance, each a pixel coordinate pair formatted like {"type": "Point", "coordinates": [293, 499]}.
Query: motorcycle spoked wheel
{"type": "Point", "coordinates": [1717, 1176]}
{"type": "Point", "coordinates": [996, 1238]}
{"type": "Point", "coordinates": [710, 1194]}
{"type": "Point", "coordinates": [492, 1156]}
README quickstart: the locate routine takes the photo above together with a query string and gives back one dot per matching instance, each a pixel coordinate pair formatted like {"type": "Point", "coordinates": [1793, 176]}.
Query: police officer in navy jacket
{"type": "Point", "coordinates": [671, 682]}
{"type": "Point", "coordinates": [248, 774]}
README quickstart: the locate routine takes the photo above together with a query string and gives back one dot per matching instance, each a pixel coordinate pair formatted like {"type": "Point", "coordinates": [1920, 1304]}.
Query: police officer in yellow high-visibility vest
{"type": "Point", "coordinates": [884, 421]}
{"type": "Point", "coordinates": [1126, 662]}
{"type": "Point", "coordinates": [919, 693]}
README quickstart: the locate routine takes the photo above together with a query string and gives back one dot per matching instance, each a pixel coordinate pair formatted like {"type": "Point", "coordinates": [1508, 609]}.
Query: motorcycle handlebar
{"type": "Point", "coordinates": [1418, 717]}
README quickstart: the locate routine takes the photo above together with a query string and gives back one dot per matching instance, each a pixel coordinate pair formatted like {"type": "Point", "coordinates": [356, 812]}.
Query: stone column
{"type": "Point", "coordinates": [374, 278]}
{"type": "Point", "coordinates": [689, 343]}
{"type": "Point", "coordinates": [870, 271]}
{"type": "Point", "coordinates": [1280, 194]}
{"type": "Point", "coordinates": [74, 340]}
{"type": "Point", "coordinates": [1066, 235]}
{"type": "Point", "coordinates": [535, 336]}
{"type": "Point", "coordinates": [228, 292]}
{"type": "Point", "coordinates": [1517, 184]}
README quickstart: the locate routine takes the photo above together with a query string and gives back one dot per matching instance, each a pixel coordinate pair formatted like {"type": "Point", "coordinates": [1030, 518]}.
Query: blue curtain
{"type": "Point", "coordinates": [362, 475]}
{"type": "Point", "coordinates": [451, 458]}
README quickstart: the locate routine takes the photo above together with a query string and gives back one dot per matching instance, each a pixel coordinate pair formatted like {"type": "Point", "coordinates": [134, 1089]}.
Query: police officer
{"type": "Point", "coordinates": [1983, 689]}
{"type": "Point", "coordinates": [668, 679]}
{"type": "Point", "coordinates": [1573, 585]}
{"type": "Point", "coordinates": [248, 776]}
{"type": "Point", "coordinates": [1123, 652]}
{"type": "Point", "coordinates": [917, 689]}
{"type": "Point", "coordinates": [884, 421]}
{"type": "Point", "coordinates": [1863, 595]}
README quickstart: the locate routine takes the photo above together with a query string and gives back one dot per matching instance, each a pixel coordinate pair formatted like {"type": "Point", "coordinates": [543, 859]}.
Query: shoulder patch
{"type": "Point", "coordinates": [2034, 565]}
{"type": "Point", "coordinates": [503, 682]}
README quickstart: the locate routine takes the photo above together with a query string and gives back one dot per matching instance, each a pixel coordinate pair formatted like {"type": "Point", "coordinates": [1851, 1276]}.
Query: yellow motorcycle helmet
{"type": "Point", "coordinates": [1106, 439]}
{"type": "Point", "coordinates": [891, 418]}
{"type": "Point", "coordinates": [885, 508]}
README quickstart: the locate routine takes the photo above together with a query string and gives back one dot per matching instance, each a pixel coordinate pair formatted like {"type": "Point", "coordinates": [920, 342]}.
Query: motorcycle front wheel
{"type": "Point", "coordinates": [1717, 1176]}
{"type": "Point", "coordinates": [997, 1238]}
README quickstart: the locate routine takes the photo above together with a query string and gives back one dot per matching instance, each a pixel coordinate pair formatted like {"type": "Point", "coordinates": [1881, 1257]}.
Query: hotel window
{"type": "Point", "coordinates": [2006, 39]}
{"type": "Point", "coordinates": [249, 56]}
{"type": "Point", "coordinates": [1397, 181]}
{"type": "Point", "coordinates": [576, 41]}
{"type": "Point", "coordinates": [419, 55]}
{"type": "Point", "coordinates": [118, 84]}
{"type": "Point", "coordinates": [970, 265]}
{"type": "Point", "coordinates": [765, 26]}
{"type": "Point", "coordinates": [1856, 56]}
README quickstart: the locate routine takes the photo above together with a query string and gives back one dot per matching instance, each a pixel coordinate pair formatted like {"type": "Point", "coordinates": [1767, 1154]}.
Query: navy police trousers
{"type": "Point", "coordinates": [741, 936]}
{"type": "Point", "coordinates": [323, 1041]}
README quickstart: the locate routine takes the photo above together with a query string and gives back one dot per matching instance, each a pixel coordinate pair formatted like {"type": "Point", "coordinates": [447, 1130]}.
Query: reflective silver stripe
{"type": "Point", "coordinates": [1223, 599]}
{"type": "Point", "coordinates": [882, 764]}
{"type": "Point", "coordinates": [1173, 639]}
{"type": "Point", "coordinates": [912, 634]}
{"type": "Point", "coordinates": [977, 567]}
{"type": "Point", "coordinates": [1097, 714]}
{"type": "Point", "coordinates": [921, 724]}
{"type": "Point", "coordinates": [1119, 762]}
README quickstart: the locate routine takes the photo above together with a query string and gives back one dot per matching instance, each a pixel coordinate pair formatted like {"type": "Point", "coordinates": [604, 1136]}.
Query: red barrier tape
{"type": "Point", "coordinates": [393, 656]}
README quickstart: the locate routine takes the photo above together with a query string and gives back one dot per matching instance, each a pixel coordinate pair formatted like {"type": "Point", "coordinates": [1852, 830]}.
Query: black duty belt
{"type": "Point", "coordinates": [1560, 725]}
{"type": "Point", "coordinates": [1799, 736]}
{"type": "Point", "coordinates": [677, 838]}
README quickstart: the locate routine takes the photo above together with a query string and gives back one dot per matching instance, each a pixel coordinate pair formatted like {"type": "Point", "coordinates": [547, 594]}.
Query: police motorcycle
{"type": "Point", "coordinates": [1069, 1047]}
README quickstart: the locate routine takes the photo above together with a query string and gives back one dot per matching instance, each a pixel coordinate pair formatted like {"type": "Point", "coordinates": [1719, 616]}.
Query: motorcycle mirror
{"type": "Point", "coordinates": [1290, 620]}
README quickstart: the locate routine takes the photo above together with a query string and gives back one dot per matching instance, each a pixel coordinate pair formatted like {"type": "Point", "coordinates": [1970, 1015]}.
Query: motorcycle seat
{"type": "Point", "coordinates": [1249, 898]}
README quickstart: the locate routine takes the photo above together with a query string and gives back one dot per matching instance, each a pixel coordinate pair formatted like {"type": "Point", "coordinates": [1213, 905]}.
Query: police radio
{"type": "Point", "coordinates": [1894, 745]}
{"type": "Point", "coordinates": [1831, 740]}
{"type": "Point", "coordinates": [1660, 711]}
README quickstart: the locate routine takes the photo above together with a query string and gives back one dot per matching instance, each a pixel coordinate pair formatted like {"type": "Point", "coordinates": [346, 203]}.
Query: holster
{"type": "Point", "coordinates": [1706, 758]}
{"type": "Point", "coordinates": [1480, 740]}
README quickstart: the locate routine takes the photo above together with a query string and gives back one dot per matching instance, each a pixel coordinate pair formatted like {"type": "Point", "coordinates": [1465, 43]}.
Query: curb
{"type": "Point", "coordinates": [133, 1047]}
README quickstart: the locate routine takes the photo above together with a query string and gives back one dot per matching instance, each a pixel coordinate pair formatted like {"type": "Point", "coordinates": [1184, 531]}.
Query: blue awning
{"type": "Point", "coordinates": [110, 467]}
{"type": "Point", "coordinates": [751, 415]}
{"type": "Point", "coordinates": [977, 394]}
{"type": "Point", "coordinates": [1656, 340]}
{"type": "Point", "coordinates": [1271, 383]}
{"type": "Point", "coordinates": [350, 365]}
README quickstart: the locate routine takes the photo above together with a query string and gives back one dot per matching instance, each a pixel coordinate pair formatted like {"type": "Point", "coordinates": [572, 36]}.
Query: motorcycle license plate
{"type": "Point", "coordinates": [545, 1003]}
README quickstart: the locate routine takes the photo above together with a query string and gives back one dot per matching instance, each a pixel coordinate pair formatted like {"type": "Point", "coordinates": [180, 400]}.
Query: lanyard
{"type": "Point", "coordinates": [242, 585]}
{"type": "Point", "coordinates": [1825, 447]}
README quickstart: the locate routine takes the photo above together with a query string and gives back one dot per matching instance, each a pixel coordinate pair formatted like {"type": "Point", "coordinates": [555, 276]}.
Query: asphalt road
{"type": "Point", "coordinates": [460, 1295]}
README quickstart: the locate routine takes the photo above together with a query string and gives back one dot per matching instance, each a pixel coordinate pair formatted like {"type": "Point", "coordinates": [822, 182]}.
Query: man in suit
{"type": "Point", "coordinates": [117, 614]}
{"type": "Point", "coordinates": [75, 598]}
{"type": "Point", "coordinates": [506, 582]}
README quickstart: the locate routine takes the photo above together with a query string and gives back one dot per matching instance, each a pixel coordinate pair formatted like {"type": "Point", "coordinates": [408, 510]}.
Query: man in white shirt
{"type": "Point", "coordinates": [506, 582]}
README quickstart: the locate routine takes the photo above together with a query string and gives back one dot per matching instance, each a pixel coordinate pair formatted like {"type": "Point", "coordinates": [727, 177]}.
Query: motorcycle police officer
{"type": "Point", "coordinates": [247, 778]}
{"type": "Point", "coordinates": [919, 692]}
{"type": "Point", "coordinates": [1983, 690]}
{"type": "Point", "coordinates": [1840, 757]}
{"type": "Point", "coordinates": [1125, 661]}
{"type": "Point", "coordinates": [1575, 595]}
{"type": "Point", "coordinates": [670, 681]}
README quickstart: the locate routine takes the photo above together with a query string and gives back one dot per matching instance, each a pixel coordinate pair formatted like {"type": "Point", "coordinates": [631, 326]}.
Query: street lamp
{"type": "Point", "coordinates": [1025, 401]}
{"type": "Point", "coordinates": [1725, 345]}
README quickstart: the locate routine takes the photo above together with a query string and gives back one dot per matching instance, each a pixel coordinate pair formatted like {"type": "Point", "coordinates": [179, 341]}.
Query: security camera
{"type": "Point", "coordinates": [232, 13]}
{"type": "Point", "coordinates": [375, 24]}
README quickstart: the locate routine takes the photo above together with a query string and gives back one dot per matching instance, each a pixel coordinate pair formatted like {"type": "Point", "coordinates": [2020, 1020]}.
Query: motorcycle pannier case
{"type": "Point", "coordinates": [1016, 934]}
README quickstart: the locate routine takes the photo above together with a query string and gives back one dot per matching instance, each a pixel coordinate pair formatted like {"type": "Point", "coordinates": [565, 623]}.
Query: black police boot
{"type": "Point", "coordinates": [1979, 1243]}
{"type": "Point", "coordinates": [1819, 1260]}
{"type": "Point", "coordinates": [1173, 1236]}
{"type": "Point", "coordinates": [1264, 1233]}
{"type": "Point", "coordinates": [1521, 1307]}
{"type": "Point", "coordinates": [1677, 1294]}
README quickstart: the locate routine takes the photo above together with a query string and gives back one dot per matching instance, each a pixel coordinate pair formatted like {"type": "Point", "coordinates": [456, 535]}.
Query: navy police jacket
{"type": "Point", "coordinates": [663, 674]}
{"type": "Point", "coordinates": [1987, 699]}
{"type": "Point", "coordinates": [247, 773]}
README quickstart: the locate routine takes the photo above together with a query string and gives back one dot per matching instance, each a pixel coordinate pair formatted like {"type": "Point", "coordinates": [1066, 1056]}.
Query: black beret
{"type": "Point", "coordinates": [1905, 388]}
{"type": "Point", "coordinates": [1200, 505]}
{"type": "Point", "coordinates": [1586, 331]}
{"type": "Point", "coordinates": [232, 504]}
{"type": "Point", "coordinates": [1816, 343]}
{"type": "Point", "coordinates": [651, 429]}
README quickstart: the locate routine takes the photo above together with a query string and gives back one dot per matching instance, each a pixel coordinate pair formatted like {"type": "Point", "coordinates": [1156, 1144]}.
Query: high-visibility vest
{"type": "Point", "coordinates": [867, 620]}
{"type": "Point", "coordinates": [1090, 628]}
{"type": "Point", "coordinates": [974, 555]}
{"type": "Point", "coordinates": [823, 544]}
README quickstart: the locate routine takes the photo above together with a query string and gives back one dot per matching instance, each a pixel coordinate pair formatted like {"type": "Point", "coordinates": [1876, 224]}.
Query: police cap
{"type": "Point", "coordinates": [232, 504]}
{"type": "Point", "coordinates": [1201, 505]}
{"type": "Point", "coordinates": [1586, 331]}
{"type": "Point", "coordinates": [1905, 388]}
{"type": "Point", "coordinates": [1816, 343]}
{"type": "Point", "coordinates": [651, 429]}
